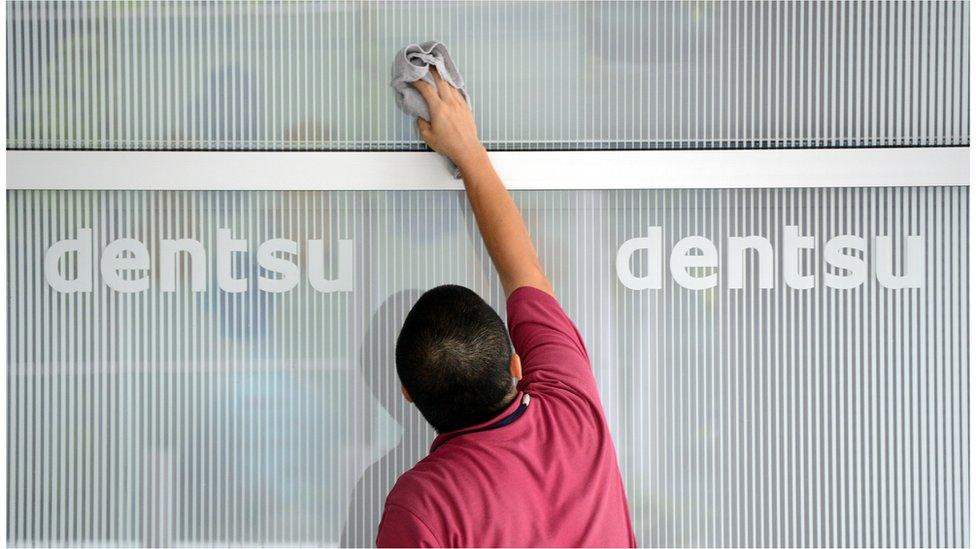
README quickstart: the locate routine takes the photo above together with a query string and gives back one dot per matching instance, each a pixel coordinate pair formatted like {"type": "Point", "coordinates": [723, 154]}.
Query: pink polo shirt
{"type": "Point", "coordinates": [550, 478]}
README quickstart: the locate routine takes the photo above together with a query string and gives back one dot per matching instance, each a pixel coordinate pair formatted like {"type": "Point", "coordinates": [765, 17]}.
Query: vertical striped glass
{"type": "Point", "coordinates": [741, 417]}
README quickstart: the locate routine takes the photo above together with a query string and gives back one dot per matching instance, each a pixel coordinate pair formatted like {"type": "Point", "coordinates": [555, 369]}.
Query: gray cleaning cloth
{"type": "Point", "coordinates": [413, 63]}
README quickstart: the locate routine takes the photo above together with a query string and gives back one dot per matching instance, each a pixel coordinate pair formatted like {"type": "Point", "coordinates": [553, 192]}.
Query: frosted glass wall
{"type": "Point", "coordinates": [764, 414]}
{"type": "Point", "coordinates": [542, 75]}
{"type": "Point", "coordinates": [182, 405]}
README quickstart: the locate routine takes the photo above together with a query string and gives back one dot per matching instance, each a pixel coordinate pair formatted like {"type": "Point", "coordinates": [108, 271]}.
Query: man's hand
{"type": "Point", "coordinates": [451, 131]}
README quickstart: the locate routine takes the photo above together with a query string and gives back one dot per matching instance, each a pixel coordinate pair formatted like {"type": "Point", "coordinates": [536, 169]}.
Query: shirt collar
{"type": "Point", "coordinates": [444, 437]}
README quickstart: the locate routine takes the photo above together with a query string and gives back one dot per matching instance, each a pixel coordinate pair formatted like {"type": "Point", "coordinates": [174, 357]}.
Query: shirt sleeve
{"type": "Point", "coordinates": [548, 343]}
{"type": "Point", "coordinates": [401, 528]}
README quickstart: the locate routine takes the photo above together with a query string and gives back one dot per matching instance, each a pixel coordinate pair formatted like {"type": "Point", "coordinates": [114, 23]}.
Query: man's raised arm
{"type": "Point", "coordinates": [452, 132]}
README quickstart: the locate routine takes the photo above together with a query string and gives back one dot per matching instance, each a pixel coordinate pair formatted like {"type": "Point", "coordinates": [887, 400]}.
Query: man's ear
{"type": "Point", "coordinates": [406, 395]}
{"type": "Point", "coordinates": [515, 366]}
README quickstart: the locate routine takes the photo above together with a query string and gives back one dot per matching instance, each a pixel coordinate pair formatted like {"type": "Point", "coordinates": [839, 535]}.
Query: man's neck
{"type": "Point", "coordinates": [507, 401]}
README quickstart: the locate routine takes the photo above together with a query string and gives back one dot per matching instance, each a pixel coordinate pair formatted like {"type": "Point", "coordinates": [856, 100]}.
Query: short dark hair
{"type": "Point", "coordinates": [452, 356]}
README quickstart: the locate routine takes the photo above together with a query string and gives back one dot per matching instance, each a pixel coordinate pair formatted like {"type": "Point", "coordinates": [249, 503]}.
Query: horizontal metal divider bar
{"type": "Point", "coordinates": [538, 170]}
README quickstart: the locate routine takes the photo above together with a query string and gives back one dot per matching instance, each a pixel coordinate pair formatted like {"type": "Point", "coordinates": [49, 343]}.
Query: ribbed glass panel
{"type": "Point", "coordinates": [542, 75]}
{"type": "Point", "coordinates": [742, 417]}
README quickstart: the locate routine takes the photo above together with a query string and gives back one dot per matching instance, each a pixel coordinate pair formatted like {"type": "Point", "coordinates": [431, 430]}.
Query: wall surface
{"type": "Point", "coordinates": [766, 414]}
{"type": "Point", "coordinates": [741, 416]}
{"type": "Point", "coordinates": [542, 75]}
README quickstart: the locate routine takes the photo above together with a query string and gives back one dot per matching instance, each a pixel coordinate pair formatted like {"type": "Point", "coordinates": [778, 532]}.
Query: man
{"type": "Point", "coordinates": [524, 465]}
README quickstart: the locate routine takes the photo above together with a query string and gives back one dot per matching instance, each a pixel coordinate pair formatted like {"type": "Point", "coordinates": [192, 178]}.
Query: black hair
{"type": "Point", "coordinates": [453, 356]}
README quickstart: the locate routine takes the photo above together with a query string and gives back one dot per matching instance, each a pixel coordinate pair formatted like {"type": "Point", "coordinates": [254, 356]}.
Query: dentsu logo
{"type": "Point", "coordinates": [127, 255]}
{"type": "Point", "coordinates": [846, 268]}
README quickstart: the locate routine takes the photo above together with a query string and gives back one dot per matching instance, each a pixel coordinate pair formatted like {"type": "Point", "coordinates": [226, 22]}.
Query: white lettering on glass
{"type": "Point", "coordinates": [126, 267]}
{"type": "Point", "coordinates": [198, 263]}
{"type": "Point", "coordinates": [651, 243]}
{"type": "Point", "coordinates": [857, 271]}
{"type": "Point", "coordinates": [52, 263]}
{"type": "Point", "coordinates": [226, 248]}
{"type": "Point", "coordinates": [914, 266]}
{"type": "Point", "coordinates": [316, 267]}
{"type": "Point", "coordinates": [268, 261]}
{"type": "Point", "coordinates": [122, 256]}
{"type": "Point", "coordinates": [738, 246]}
{"type": "Point", "coordinates": [682, 259]}
{"type": "Point", "coordinates": [694, 261]}
{"type": "Point", "coordinates": [791, 258]}
{"type": "Point", "coordinates": [125, 264]}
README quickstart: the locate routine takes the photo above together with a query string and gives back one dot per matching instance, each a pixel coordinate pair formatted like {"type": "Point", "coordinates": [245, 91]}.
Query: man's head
{"type": "Point", "coordinates": [454, 359]}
